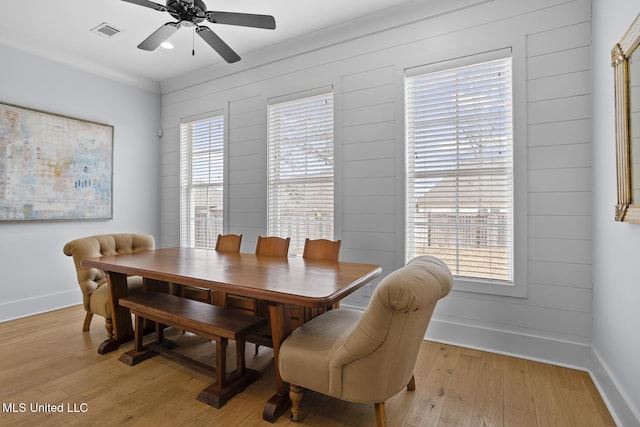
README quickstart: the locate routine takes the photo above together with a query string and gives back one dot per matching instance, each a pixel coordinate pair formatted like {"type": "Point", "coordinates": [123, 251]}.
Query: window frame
{"type": "Point", "coordinates": [297, 244]}
{"type": "Point", "coordinates": [518, 287]}
{"type": "Point", "coordinates": [186, 231]}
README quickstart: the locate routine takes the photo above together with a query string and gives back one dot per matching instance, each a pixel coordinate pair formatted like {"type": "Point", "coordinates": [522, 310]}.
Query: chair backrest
{"type": "Point", "coordinates": [381, 351]}
{"type": "Point", "coordinates": [273, 246]}
{"type": "Point", "coordinates": [228, 242]}
{"type": "Point", "coordinates": [321, 250]}
{"type": "Point", "coordinates": [101, 245]}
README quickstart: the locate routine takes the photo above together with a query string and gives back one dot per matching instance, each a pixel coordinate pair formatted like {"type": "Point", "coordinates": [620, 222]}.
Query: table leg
{"type": "Point", "coordinates": [280, 329]}
{"type": "Point", "coordinates": [120, 317]}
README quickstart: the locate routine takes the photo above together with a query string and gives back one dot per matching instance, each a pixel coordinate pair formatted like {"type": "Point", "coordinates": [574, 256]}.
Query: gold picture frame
{"type": "Point", "coordinates": [626, 66]}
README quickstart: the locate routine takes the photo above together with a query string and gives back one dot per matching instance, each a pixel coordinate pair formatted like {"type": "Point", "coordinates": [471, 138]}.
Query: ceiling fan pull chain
{"type": "Point", "coordinates": [193, 42]}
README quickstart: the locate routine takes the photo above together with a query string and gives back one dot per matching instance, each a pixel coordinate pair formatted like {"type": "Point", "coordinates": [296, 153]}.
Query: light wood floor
{"type": "Point", "coordinates": [47, 359]}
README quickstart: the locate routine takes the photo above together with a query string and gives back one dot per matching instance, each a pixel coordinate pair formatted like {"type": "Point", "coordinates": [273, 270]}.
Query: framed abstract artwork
{"type": "Point", "coordinates": [54, 167]}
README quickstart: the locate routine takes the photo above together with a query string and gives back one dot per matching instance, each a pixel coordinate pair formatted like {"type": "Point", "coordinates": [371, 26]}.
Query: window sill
{"type": "Point", "coordinates": [508, 289]}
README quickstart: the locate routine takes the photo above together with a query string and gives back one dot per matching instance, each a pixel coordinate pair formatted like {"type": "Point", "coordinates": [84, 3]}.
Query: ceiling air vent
{"type": "Point", "coordinates": [106, 30]}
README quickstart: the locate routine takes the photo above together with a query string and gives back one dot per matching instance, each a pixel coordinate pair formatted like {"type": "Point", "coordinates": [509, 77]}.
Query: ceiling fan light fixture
{"type": "Point", "coordinates": [166, 45]}
{"type": "Point", "coordinates": [191, 13]}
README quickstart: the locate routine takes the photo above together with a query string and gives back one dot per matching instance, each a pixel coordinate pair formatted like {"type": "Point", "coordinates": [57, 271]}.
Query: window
{"type": "Point", "coordinates": [459, 134]}
{"type": "Point", "coordinates": [201, 177]}
{"type": "Point", "coordinates": [301, 166]}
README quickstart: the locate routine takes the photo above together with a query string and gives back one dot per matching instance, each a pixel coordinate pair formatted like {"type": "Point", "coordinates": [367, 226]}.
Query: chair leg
{"type": "Point", "coordinates": [295, 394]}
{"type": "Point", "coordinates": [381, 418]}
{"type": "Point", "coordinates": [87, 322]}
{"type": "Point", "coordinates": [412, 383]}
{"type": "Point", "coordinates": [108, 325]}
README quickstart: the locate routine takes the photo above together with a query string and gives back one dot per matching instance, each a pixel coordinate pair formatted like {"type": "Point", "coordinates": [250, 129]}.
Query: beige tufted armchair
{"type": "Point", "coordinates": [367, 357]}
{"type": "Point", "coordinates": [93, 282]}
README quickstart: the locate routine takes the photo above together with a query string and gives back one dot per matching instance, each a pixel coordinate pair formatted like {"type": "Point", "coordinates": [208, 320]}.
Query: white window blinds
{"type": "Point", "coordinates": [460, 169]}
{"type": "Point", "coordinates": [301, 168]}
{"type": "Point", "coordinates": [201, 175]}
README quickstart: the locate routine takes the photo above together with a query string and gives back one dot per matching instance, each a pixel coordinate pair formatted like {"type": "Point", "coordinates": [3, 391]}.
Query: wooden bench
{"type": "Point", "coordinates": [206, 320]}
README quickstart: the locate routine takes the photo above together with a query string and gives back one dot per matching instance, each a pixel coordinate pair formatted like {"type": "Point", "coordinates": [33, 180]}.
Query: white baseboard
{"type": "Point", "coordinates": [541, 349]}
{"type": "Point", "coordinates": [40, 304]}
{"type": "Point", "coordinates": [620, 406]}
{"type": "Point", "coordinates": [531, 347]}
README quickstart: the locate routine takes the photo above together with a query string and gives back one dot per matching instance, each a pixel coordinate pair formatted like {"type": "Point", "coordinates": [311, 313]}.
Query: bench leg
{"type": "Point", "coordinates": [224, 388]}
{"type": "Point", "coordinates": [139, 352]}
{"type": "Point", "coordinates": [161, 340]}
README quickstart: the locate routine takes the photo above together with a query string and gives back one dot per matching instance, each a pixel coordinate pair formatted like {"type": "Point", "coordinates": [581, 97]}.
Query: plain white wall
{"type": "Point", "coordinates": [616, 248]}
{"type": "Point", "coordinates": [36, 275]}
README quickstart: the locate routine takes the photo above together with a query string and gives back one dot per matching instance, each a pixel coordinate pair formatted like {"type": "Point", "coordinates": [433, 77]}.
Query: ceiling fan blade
{"type": "Point", "coordinates": [149, 4]}
{"type": "Point", "coordinates": [217, 44]}
{"type": "Point", "coordinates": [158, 36]}
{"type": "Point", "coordinates": [244, 19]}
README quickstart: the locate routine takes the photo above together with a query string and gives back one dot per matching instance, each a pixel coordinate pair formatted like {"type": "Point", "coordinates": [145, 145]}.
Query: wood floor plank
{"type": "Point", "coordinates": [547, 398]}
{"type": "Point", "coordinates": [460, 399]}
{"type": "Point", "coordinates": [47, 359]}
{"type": "Point", "coordinates": [519, 404]}
{"type": "Point", "coordinates": [431, 384]}
{"type": "Point", "coordinates": [489, 399]}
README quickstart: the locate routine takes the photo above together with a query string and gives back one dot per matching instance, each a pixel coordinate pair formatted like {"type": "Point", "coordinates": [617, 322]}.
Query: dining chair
{"type": "Point", "coordinates": [321, 249]}
{"type": "Point", "coordinates": [314, 250]}
{"type": "Point", "coordinates": [224, 243]}
{"type": "Point", "coordinates": [93, 282]}
{"type": "Point", "coordinates": [367, 357]}
{"type": "Point", "coordinates": [271, 246]}
{"type": "Point", "coordinates": [228, 243]}
{"type": "Point", "coordinates": [266, 246]}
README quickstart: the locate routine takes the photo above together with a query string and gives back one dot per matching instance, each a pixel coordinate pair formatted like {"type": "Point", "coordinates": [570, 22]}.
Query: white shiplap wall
{"type": "Point", "coordinates": [551, 42]}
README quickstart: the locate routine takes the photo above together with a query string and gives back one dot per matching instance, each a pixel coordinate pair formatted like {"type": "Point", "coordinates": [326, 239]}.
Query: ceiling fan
{"type": "Point", "coordinates": [190, 13]}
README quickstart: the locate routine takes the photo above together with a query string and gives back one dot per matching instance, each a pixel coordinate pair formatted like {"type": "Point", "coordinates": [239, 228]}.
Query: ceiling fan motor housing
{"type": "Point", "coordinates": [187, 11]}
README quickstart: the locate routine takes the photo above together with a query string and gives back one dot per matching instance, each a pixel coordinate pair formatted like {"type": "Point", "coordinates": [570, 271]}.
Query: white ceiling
{"type": "Point", "coordinates": [60, 30]}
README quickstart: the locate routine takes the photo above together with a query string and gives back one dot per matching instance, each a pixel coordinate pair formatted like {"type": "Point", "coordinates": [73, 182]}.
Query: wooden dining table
{"type": "Point", "coordinates": [280, 281]}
